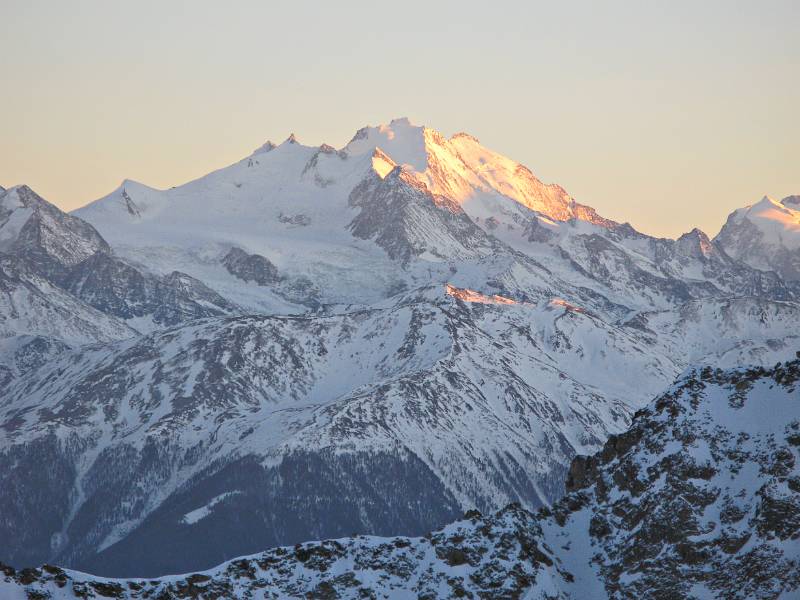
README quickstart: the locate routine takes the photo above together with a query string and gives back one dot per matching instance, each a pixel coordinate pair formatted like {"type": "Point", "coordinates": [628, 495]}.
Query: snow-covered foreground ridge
{"type": "Point", "coordinates": [700, 498]}
{"type": "Point", "coordinates": [314, 342]}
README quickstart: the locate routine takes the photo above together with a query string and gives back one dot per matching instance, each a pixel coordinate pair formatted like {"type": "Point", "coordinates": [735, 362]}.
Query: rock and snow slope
{"type": "Point", "coordinates": [700, 498]}
{"type": "Point", "coordinates": [270, 349]}
{"type": "Point", "coordinates": [60, 278]}
{"type": "Point", "coordinates": [464, 404]}
{"type": "Point", "coordinates": [392, 418]}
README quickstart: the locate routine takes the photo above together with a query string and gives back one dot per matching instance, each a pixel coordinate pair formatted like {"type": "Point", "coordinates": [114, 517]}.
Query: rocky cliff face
{"type": "Point", "coordinates": [405, 219]}
{"type": "Point", "coordinates": [117, 288]}
{"type": "Point", "coordinates": [250, 267]}
{"type": "Point", "coordinates": [700, 498]}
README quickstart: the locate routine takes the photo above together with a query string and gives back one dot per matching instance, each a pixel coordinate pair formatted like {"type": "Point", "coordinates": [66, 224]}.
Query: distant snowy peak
{"type": "Point", "coordinates": [18, 196]}
{"type": "Point", "coordinates": [765, 235]}
{"type": "Point", "coordinates": [778, 221]}
{"type": "Point", "coordinates": [696, 244]}
{"type": "Point", "coordinates": [130, 198]}
{"type": "Point", "coordinates": [264, 148]}
{"type": "Point", "coordinates": [400, 139]}
{"type": "Point", "coordinates": [36, 230]}
{"type": "Point", "coordinates": [484, 182]}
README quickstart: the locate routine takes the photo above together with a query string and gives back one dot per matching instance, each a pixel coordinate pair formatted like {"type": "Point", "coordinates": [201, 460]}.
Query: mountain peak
{"type": "Point", "coordinates": [265, 147]}
{"type": "Point", "coordinates": [468, 173]}
{"type": "Point", "coordinates": [382, 163]}
{"type": "Point", "coordinates": [488, 187]}
{"type": "Point", "coordinates": [695, 233]}
{"type": "Point", "coordinates": [695, 243]}
{"type": "Point", "coordinates": [465, 136]}
{"type": "Point", "coordinates": [131, 185]}
{"type": "Point", "coordinates": [38, 228]}
{"type": "Point", "coordinates": [22, 195]}
{"type": "Point", "coordinates": [400, 139]}
{"type": "Point", "coordinates": [401, 122]}
{"type": "Point", "coordinates": [771, 209]}
{"type": "Point", "coordinates": [765, 235]}
{"type": "Point", "coordinates": [765, 201]}
{"type": "Point", "coordinates": [23, 188]}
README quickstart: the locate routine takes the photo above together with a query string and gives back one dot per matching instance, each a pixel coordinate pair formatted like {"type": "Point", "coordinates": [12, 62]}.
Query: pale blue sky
{"type": "Point", "coordinates": [666, 114]}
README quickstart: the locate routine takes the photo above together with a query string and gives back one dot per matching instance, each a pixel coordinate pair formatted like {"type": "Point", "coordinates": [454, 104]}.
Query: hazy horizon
{"type": "Point", "coordinates": [666, 117]}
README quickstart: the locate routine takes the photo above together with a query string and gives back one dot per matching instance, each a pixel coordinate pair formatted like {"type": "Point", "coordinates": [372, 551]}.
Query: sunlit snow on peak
{"type": "Point", "coordinates": [777, 220]}
{"type": "Point", "coordinates": [467, 295]}
{"type": "Point", "coordinates": [563, 304]}
{"type": "Point", "coordinates": [382, 163]}
{"type": "Point", "coordinates": [400, 139]}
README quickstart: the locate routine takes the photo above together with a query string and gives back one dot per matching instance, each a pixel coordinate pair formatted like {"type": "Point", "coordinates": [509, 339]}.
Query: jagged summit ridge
{"type": "Point", "coordinates": [294, 206]}
{"type": "Point", "coordinates": [251, 203]}
{"type": "Point", "coordinates": [464, 170]}
{"type": "Point", "coordinates": [459, 167]}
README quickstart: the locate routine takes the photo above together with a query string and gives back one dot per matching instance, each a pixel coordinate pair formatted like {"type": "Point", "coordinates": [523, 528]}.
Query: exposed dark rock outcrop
{"type": "Point", "coordinates": [250, 267]}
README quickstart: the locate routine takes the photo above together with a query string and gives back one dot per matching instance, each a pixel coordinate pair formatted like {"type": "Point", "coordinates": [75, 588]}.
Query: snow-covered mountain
{"type": "Point", "coordinates": [37, 230]}
{"type": "Point", "coordinates": [393, 418]}
{"type": "Point", "coordinates": [700, 498]}
{"type": "Point", "coordinates": [313, 342]}
{"type": "Point", "coordinates": [456, 403]}
{"type": "Point", "coordinates": [60, 278]}
{"type": "Point", "coordinates": [37, 241]}
{"type": "Point", "coordinates": [401, 206]}
{"type": "Point", "coordinates": [766, 236]}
